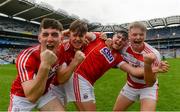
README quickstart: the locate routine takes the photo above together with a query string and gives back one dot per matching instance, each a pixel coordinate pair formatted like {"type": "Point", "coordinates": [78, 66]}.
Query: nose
{"type": "Point", "coordinates": [120, 39]}
{"type": "Point", "coordinates": [78, 38]}
{"type": "Point", "coordinates": [50, 38]}
{"type": "Point", "coordinates": [138, 36]}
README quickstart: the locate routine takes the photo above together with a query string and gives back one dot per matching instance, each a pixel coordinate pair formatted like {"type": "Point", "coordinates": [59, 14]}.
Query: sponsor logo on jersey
{"type": "Point", "coordinates": [107, 54]}
{"type": "Point", "coordinates": [53, 70]}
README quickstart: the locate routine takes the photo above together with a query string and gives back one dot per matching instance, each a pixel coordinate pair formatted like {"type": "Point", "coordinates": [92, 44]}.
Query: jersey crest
{"type": "Point", "coordinates": [107, 54]}
{"type": "Point", "coordinates": [53, 70]}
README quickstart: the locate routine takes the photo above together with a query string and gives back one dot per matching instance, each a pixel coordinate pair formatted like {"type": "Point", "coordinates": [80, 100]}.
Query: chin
{"type": "Point", "coordinates": [77, 47]}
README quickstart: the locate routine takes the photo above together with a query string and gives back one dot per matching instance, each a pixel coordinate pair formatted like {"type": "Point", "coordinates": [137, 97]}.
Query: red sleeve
{"type": "Point", "coordinates": [27, 65]}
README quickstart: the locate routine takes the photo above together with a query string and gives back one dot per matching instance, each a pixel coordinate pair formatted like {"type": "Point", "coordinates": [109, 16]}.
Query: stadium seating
{"type": "Point", "coordinates": [18, 26]}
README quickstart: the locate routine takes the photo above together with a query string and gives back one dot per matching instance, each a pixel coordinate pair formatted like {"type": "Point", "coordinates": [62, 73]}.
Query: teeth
{"type": "Point", "coordinates": [50, 47]}
{"type": "Point", "coordinates": [137, 42]}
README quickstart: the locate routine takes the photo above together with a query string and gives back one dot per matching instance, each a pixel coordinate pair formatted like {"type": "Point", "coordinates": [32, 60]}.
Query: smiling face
{"type": "Point", "coordinates": [77, 41]}
{"type": "Point", "coordinates": [119, 40]}
{"type": "Point", "coordinates": [50, 34]}
{"type": "Point", "coordinates": [137, 35]}
{"type": "Point", "coordinates": [136, 38]}
{"type": "Point", "coordinates": [49, 39]}
{"type": "Point", "coordinates": [78, 30]}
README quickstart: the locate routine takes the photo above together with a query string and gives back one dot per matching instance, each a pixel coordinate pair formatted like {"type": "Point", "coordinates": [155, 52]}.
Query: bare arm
{"type": "Point", "coordinates": [149, 76]}
{"type": "Point", "coordinates": [135, 71]}
{"type": "Point", "coordinates": [34, 88]}
{"type": "Point", "coordinates": [65, 73]}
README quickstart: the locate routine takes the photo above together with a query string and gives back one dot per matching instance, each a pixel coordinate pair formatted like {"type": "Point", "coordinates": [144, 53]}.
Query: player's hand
{"type": "Point", "coordinates": [48, 57]}
{"type": "Point", "coordinates": [66, 33]}
{"type": "Point", "coordinates": [103, 36]}
{"type": "Point", "coordinates": [86, 41]}
{"type": "Point", "coordinates": [79, 57]}
{"type": "Point", "coordinates": [163, 67]}
{"type": "Point", "coordinates": [90, 36]}
{"type": "Point", "coordinates": [109, 42]}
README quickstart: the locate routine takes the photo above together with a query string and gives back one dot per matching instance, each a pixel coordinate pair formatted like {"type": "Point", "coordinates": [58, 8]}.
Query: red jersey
{"type": "Point", "coordinates": [136, 59]}
{"type": "Point", "coordinates": [67, 52]}
{"type": "Point", "coordinates": [28, 62]}
{"type": "Point", "coordinates": [99, 59]}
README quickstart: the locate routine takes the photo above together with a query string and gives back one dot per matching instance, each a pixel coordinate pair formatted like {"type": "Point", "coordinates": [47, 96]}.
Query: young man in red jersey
{"type": "Point", "coordinates": [36, 67]}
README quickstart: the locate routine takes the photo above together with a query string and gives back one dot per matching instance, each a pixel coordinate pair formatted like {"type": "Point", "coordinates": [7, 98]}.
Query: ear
{"type": "Point", "coordinates": [39, 38]}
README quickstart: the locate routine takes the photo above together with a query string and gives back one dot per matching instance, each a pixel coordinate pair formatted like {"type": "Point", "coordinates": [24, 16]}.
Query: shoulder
{"type": "Point", "coordinates": [65, 46]}
{"type": "Point", "coordinates": [149, 48]}
{"type": "Point", "coordinates": [29, 53]}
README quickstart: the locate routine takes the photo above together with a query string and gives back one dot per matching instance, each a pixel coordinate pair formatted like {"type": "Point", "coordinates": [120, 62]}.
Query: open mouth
{"type": "Point", "coordinates": [50, 47]}
{"type": "Point", "coordinates": [137, 42]}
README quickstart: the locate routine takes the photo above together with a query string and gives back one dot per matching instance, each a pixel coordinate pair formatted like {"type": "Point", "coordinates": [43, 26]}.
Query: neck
{"type": "Point", "coordinates": [139, 49]}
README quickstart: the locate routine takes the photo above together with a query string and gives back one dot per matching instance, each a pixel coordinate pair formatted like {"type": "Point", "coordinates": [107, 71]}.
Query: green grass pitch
{"type": "Point", "coordinates": [108, 87]}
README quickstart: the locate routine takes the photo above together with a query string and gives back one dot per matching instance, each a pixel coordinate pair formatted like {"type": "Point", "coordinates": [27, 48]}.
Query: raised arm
{"type": "Point", "coordinates": [34, 88]}
{"type": "Point", "coordinates": [149, 76]}
{"type": "Point", "coordinates": [65, 73]}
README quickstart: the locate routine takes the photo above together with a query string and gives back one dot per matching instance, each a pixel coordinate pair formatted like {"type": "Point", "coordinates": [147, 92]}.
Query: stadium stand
{"type": "Point", "coordinates": [20, 19]}
{"type": "Point", "coordinates": [163, 34]}
{"type": "Point", "coordinates": [19, 25]}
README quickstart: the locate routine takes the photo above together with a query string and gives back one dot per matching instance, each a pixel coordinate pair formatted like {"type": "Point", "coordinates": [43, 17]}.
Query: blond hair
{"type": "Point", "coordinates": [137, 24]}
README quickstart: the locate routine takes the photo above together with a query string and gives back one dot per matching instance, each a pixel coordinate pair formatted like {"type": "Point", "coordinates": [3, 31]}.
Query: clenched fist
{"type": "Point", "coordinates": [79, 56]}
{"type": "Point", "coordinates": [149, 58]}
{"type": "Point", "coordinates": [48, 57]}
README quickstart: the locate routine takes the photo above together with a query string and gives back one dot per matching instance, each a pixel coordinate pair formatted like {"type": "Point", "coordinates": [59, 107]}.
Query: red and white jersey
{"type": "Point", "coordinates": [136, 60]}
{"type": "Point", "coordinates": [28, 62]}
{"type": "Point", "coordinates": [99, 59]}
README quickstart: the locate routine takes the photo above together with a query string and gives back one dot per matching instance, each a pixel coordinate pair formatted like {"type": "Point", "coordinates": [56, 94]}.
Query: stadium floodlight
{"type": "Point", "coordinates": [18, 18]}
{"type": "Point", "coordinates": [4, 15]}
{"type": "Point", "coordinates": [35, 22]}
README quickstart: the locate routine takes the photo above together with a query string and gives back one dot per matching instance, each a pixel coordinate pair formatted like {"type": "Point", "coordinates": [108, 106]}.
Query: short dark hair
{"type": "Point", "coordinates": [124, 33]}
{"type": "Point", "coordinates": [79, 26]}
{"type": "Point", "coordinates": [51, 23]}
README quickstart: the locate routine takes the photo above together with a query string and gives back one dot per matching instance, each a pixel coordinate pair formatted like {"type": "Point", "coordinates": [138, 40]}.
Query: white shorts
{"type": "Point", "coordinates": [136, 94]}
{"type": "Point", "coordinates": [59, 92]}
{"type": "Point", "coordinates": [78, 89]}
{"type": "Point", "coordinates": [18, 103]}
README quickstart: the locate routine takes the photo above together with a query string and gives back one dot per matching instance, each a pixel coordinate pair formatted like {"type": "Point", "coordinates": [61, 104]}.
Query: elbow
{"type": "Point", "coordinates": [61, 81]}
{"type": "Point", "coordinates": [32, 99]}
